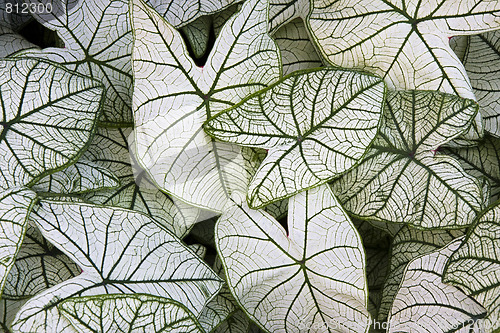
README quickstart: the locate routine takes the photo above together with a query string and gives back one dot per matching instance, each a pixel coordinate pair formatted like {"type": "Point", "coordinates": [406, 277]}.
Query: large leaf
{"type": "Point", "coordinates": [482, 63]}
{"type": "Point", "coordinates": [179, 13]}
{"type": "Point", "coordinates": [425, 304]}
{"type": "Point", "coordinates": [316, 124]}
{"type": "Point", "coordinates": [128, 313]}
{"type": "Point", "coordinates": [48, 115]}
{"type": "Point", "coordinates": [475, 266]}
{"type": "Point", "coordinates": [97, 43]}
{"type": "Point", "coordinates": [119, 252]}
{"type": "Point", "coordinates": [405, 42]}
{"type": "Point", "coordinates": [297, 50]}
{"type": "Point", "coordinates": [482, 161]}
{"type": "Point", "coordinates": [173, 97]}
{"type": "Point", "coordinates": [39, 266]}
{"type": "Point", "coordinates": [402, 179]}
{"type": "Point", "coordinates": [314, 277]}
{"type": "Point", "coordinates": [83, 176]}
{"type": "Point", "coordinates": [407, 245]}
{"type": "Point", "coordinates": [110, 150]}
{"type": "Point", "coordinates": [15, 207]}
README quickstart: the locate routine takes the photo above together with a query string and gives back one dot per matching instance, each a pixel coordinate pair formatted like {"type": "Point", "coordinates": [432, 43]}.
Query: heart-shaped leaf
{"type": "Point", "coordinates": [15, 207]}
{"type": "Point", "coordinates": [407, 245]}
{"type": "Point", "coordinates": [171, 105]}
{"type": "Point", "coordinates": [83, 176]}
{"type": "Point", "coordinates": [297, 50]}
{"type": "Point", "coordinates": [110, 150]}
{"type": "Point", "coordinates": [48, 116]}
{"type": "Point", "coordinates": [38, 266]}
{"type": "Point", "coordinates": [475, 266]}
{"type": "Point", "coordinates": [128, 313]}
{"type": "Point", "coordinates": [425, 304]}
{"type": "Point", "coordinates": [314, 277]}
{"type": "Point", "coordinates": [312, 137]}
{"type": "Point", "coordinates": [481, 57]}
{"type": "Point", "coordinates": [383, 37]}
{"type": "Point", "coordinates": [97, 43]}
{"type": "Point", "coordinates": [402, 180]}
{"type": "Point", "coordinates": [120, 252]}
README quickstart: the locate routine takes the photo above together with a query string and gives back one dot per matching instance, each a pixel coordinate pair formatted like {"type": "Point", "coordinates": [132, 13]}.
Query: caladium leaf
{"type": "Point", "coordinates": [198, 34]}
{"type": "Point", "coordinates": [48, 116]}
{"type": "Point", "coordinates": [83, 176]}
{"type": "Point", "coordinates": [481, 57]}
{"type": "Point", "coordinates": [382, 37]}
{"type": "Point", "coordinates": [11, 42]}
{"type": "Point", "coordinates": [180, 13]}
{"type": "Point", "coordinates": [238, 322]}
{"type": "Point", "coordinates": [220, 18]}
{"type": "Point", "coordinates": [407, 245]}
{"type": "Point", "coordinates": [475, 266]}
{"type": "Point", "coordinates": [402, 180]}
{"type": "Point", "coordinates": [425, 304]}
{"type": "Point", "coordinates": [128, 313]}
{"type": "Point", "coordinates": [311, 137]}
{"type": "Point", "coordinates": [120, 252]}
{"type": "Point", "coordinates": [482, 161]}
{"type": "Point", "coordinates": [15, 207]}
{"type": "Point", "coordinates": [97, 43]}
{"type": "Point", "coordinates": [171, 106]}
{"type": "Point", "coordinates": [307, 272]}
{"type": "Point", "coordinates": [39, 266]}
{"type": "Point", "coordinates": [110, 150]}
{"type": "Point", "coordinates": [297, 50]}
{"type": "Point", "coordinates": [282, 12]}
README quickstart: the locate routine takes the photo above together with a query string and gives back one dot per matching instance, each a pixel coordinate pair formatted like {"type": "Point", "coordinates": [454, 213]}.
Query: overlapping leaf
{"type": "Point", "coordinates": [15, 207]}
{"type": "Point", "coordinates": [316, 124]}
{"type": "Point", "coordinates": [97, 43]}
{"type": "Point", "coordinates": [407, 245]}
{"type": "Point", "coordinates": [481, 57]}
{"type": "Point", "coordinates": [402, 180]}
{"type": "Point", "coordinates": [83, 176]}
{"type": "Point", "coordinates": [425, 304]}
{"type": "Point", "coordinates": [110, 150]}
{"type": "Point", "coordinates": [282, 12]}
{"type": "Point", "coordinates": [482, 161]}
{"type": "Point", "coordinates": [475, 266]}
{"type": "Point", "coordinates": [39, 266]}
{"type": "Point", "coordinates": [297, 50]}
{"type": "Point", "coordinates": [128, 313]}
{"type": "Point", "coordinates": [120, 252]}
{"type": "Point", "coordinates": [315, 277]}
{"type": "Point", "coordinates": [180, 13]}
{"type": "Point", "coordinates": [11, 42]}
{"type": "Point", "coordinates": [404, 42]}
{"type": "Point", "coordinates": [173, 97]}
{"type": "Point", "coordinates": [48, 115]}
{"type": "Point", "coordinates": [198, 34]}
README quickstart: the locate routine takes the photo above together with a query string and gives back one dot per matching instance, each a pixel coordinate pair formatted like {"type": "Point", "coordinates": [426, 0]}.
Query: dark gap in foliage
{"type": "Point", "coordinates": [284, 223]}
{"type": "Point", "coordinates": [200, 62]}
{"type": "Point", "coordinates": [39, 35]}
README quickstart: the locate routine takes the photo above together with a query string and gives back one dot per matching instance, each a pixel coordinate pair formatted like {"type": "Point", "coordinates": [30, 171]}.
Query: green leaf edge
{"type": "Point", "coordinates": [271, 86]}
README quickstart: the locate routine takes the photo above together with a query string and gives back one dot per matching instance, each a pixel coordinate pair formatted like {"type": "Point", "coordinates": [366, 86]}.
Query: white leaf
{"type": "Point", "coordinates": [173, 97]}
{"type": "Point", "coordinates": [425, 304]}
{"type": "Point", "coordinates": [312, 280]}
{"type": "Point", "coordinates": [120, 252]}
{"type": "Point", "coordinates": [48, 115]}
{"type": "Point", "coordinates": [282, 12]}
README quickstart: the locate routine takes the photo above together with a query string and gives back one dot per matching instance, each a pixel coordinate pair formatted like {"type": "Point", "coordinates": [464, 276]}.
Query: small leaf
{"type": "Point", "coordinates": [83, 176]}
{"type": "Point", "coordinates": [314, 277]}
{"type": "Point", "coordinates": [97, 43]}
{"type": "Point", "coordinates": [48, 115]}
{"type": "Point", "coordinates": [128, 313]}
{"type": "Point", "coordinates": [402, 180]}
{"type": "Point", "coordinates": [120, 252]}
{"type": "Point", "coordinates": [297, 50]}
{"type": "Point", "coordinates": [316, 124]}
{"type": "Point", "coordinates": [11, 42]}
{"type": "Point", "coordinates": [282, 12]}
{"type": "Point", "coordinates": [475, 266]}
{"type": "Point", "coordinates": [15, 207]}
{"type": "Point", "coordinates": [425, 304]}
{"type": "Point", "coordinates": [198, 33]}
{"type": "Point", "coordinates": [171, 105]}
